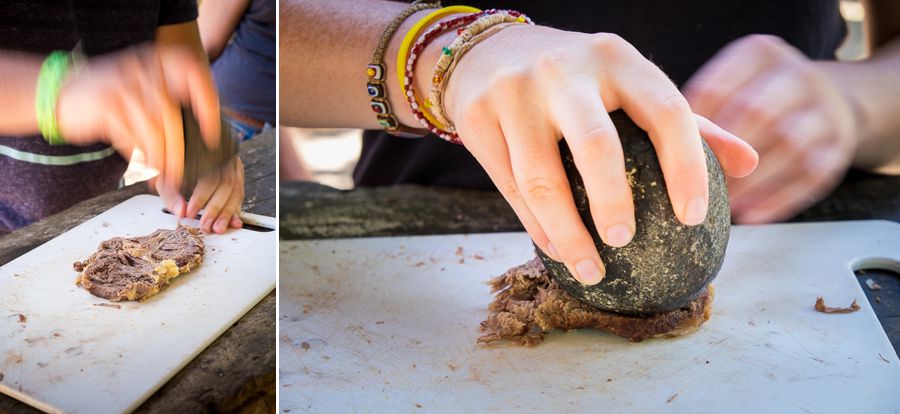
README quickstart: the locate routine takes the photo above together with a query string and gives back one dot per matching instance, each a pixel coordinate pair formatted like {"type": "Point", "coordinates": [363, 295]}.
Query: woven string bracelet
{"type": "Point", "coordinates": [418, 109]}
{"type": "Point", "coordinates": [375, 71]}
{"type": "Point", "coordinates": [474, 33]}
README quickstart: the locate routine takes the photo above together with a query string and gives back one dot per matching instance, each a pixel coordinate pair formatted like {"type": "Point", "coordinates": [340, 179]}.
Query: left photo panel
{"type": "Point", "coordinates": [137, 206]}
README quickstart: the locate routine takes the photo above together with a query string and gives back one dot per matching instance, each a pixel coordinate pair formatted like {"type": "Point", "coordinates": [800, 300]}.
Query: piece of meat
{"type": "Point", "coordinates": [820, 306]}
{"type": "Point", "coordinates": [528, 302]}
{"type": "Point", "coordinates": [136, 268]}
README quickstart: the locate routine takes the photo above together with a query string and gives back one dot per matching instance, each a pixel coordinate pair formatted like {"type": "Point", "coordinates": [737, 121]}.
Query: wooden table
{"type": "Point", "coordinates": [310, 211]}
{"type": "Point", "coordinates": [237, 371]}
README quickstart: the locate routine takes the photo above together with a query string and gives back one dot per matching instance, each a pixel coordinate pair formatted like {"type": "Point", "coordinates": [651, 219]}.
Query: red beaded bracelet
{"type": "Point", "coordinates": [414, 52]}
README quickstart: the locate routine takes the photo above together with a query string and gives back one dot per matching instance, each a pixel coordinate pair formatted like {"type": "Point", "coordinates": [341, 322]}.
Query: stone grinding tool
{"type": "Point", "coordinates": [199, 159]}
{"type": "Point", "coordinates": [667, 264]}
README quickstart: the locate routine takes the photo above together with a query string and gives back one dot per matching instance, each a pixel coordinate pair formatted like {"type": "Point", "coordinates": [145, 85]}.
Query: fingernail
{"type": "Point", "coordinates": [221, 225]}
{"type": "Point", "coordinates": [588, 272]}
{"type": "Point", "coordinates": [552, 251]}
{"type": "Point", "coordinates": [618, 235]}
{"type": "Point", "coordinates": [695, 211]}
{"type": "Point", "coordinates": [179, 208]}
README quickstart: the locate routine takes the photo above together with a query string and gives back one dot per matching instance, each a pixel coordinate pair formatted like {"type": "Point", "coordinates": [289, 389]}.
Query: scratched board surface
{"type": "Point", "coordinates": [390, 325]}
{"type": "Point", "coordinates": [63, 350]}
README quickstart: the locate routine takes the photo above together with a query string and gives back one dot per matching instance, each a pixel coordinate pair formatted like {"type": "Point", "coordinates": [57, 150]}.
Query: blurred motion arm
{"type": "Point", "coordinates": [18, 79]}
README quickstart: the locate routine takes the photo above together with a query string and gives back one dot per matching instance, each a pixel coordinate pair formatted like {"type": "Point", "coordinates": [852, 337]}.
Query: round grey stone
{"type": "Point", "coordinates": [667, 264]}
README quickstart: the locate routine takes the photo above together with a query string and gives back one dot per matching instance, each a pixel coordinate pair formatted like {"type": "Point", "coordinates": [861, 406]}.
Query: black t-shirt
{"type": "Point", "coordinates": [39, 179]}
{"type": "Point", "coordinates": [679, 36]}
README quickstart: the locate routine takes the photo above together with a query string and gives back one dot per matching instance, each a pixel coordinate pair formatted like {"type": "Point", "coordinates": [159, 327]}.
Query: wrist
{"type": "Point", "coordinates": [429, 56]}
{"type": "Point", "coordinates": [869, 90]}
{"type": "Point", "coordinates": [395, 90]}
{"type": "Point", "coordinates": [18, 77]}
{"type": "Point", "coordinates": [839, 74]}
{"type": "Point", "coordinates": [431, 50]}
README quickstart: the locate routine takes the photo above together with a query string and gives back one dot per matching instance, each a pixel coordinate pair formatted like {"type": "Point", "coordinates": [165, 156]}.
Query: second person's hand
{"type": "Point", "coordinates": [220, 194]}
{"type": "Point", "coordinates": [785, 105]}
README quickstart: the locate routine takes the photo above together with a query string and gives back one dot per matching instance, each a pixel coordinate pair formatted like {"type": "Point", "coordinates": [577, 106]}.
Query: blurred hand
{"type": "Point", "coordinates": [768, 93]}
{"type": "Point", "coordinates": [516, 94]}
{"type": "Point", "coordinates": [132, 99]}
{"type": "Point", "coordinates": [220, 194]}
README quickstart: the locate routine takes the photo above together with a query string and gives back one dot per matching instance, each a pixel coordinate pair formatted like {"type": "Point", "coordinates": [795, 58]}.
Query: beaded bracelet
{"type": "Point", "coordinates": [467, 38]}
{"type": "Point", "coordinates": [375, 71]}
{"type": "Point", "coordinates": [413, 33]}
{"type": "Point", "coordinates": [50, 79]}
{"type": "Point", "coordinates": [418, 109]}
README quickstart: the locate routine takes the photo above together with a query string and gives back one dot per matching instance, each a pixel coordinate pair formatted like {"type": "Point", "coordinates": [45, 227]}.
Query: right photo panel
{"type": "Point", "coordinates": [627, 206]}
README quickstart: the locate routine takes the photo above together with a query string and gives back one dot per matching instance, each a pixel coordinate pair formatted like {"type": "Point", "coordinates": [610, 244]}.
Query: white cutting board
{"type": "Point", "coordinates": [390, 325]}
{"type": "Point", "coordinates": [72, 356]}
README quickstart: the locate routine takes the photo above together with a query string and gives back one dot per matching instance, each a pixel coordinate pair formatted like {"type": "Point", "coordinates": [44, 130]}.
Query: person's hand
{"type": "Point", "coordinates": [132, 99]}
{"type": "Point", "coordinates": [513, 96]}
{"type": "Point", "coordinates": [220, 194]}
{"type": "Point", "coordinates": [768, 93]}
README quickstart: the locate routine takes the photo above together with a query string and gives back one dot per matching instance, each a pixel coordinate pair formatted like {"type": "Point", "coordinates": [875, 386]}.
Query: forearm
{"type": "Point", "coordinates": [217, 21]}
{"type": "Point", "coordinates": [325, 47]}
{"type": "Point", "coordinates": [873, 89]}
{"type": "Point", "coordinates": [18, 79]}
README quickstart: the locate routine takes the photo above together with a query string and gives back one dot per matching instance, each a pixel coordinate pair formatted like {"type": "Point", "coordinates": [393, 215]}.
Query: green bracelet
{"type": "Point", "coordinates": [50, 79]}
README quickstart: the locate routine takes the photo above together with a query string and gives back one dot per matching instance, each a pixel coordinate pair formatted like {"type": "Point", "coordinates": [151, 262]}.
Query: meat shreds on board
{"type": "Point", "coordinates": [135, 268]}
{"type": "Point", "coordinates": [529, 303]}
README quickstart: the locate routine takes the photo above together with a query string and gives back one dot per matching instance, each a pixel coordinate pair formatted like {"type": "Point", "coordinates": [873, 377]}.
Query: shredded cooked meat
{"type": "Point", "coordinates": [138, 267]}
{"type": "Point", "coordinates": [822, 307]}
{"type": "Point", "coordinates": [529, 303]}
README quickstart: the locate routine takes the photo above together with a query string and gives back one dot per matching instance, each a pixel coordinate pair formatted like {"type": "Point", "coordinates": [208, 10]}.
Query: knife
{"type": "Point", "coordinates": [199, 160]}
